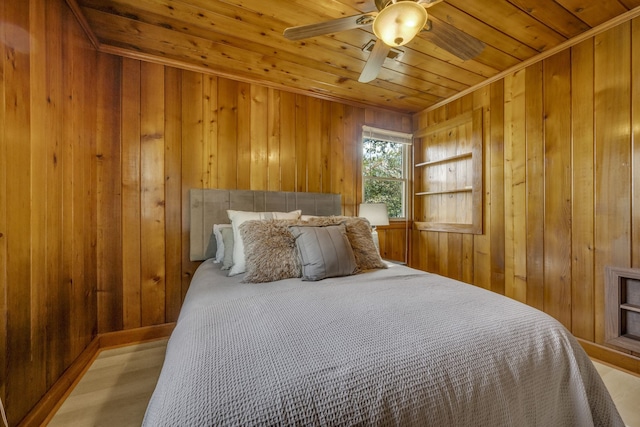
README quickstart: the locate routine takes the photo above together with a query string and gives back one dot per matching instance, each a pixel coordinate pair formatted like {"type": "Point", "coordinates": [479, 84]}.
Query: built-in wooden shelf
{"type": "Point", "coordinates": [454, 190]}
{"type": "Point", "coordinates": [448, 175]}
{"type": "Point", "coordinates": [445, 160]}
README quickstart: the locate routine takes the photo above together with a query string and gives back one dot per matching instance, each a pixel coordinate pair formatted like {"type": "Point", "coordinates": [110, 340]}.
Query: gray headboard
{"type": "Point", "coordinates": [209, 206]}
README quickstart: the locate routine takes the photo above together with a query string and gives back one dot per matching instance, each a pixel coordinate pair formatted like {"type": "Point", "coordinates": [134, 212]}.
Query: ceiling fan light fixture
{"type": "Point", "coordinates": [398, 23]}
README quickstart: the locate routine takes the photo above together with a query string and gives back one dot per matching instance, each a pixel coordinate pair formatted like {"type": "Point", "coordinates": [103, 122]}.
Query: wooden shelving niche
{"type": "Point", "coordinates": [622, 308]}
{"type": "Point", "coordinates": [448, 175]}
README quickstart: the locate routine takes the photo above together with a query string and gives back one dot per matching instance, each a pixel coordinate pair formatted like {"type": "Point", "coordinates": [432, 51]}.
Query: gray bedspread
{"type": "Point", "coordinates": [389, 347]}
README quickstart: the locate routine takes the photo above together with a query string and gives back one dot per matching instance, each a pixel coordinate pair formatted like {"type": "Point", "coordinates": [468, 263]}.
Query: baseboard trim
{"type": "Point", "coordinates": [52, 399]}
{"type": "Point", "coordinates": [137, 335]}
{"type": "Point", "coordinates": [44, 410]}
{"type": "Point", "coordinates": [612, 357]}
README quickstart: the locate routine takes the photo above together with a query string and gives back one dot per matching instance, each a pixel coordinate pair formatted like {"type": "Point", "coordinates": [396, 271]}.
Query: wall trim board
{"type": "Point", "coordinates": [182, 65]}
{"type": "Point", "coordinates": [53, 398]}
{"type": "Point", "coordinates": [614, 358]}
{"type": "Point", "coordinates": [46, 408]}
{"type": "Point", "coordinates": [82, 20]}
{"type": "Point", "coordinates": [133, 336]}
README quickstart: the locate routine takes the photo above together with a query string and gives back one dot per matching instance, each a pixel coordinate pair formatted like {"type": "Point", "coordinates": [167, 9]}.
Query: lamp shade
{"type": "Point", "coordinates": [399, 22]}
{"type": "Point", "coordinates": [375, 213]}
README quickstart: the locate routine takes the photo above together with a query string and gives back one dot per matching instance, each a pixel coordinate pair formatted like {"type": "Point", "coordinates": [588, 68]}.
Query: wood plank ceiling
{"type": "Point", "coordinates": [243, 39]}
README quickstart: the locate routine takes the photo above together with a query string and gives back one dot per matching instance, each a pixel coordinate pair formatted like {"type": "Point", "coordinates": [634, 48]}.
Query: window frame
{"type": "Point", "coordinates": [406, 141]}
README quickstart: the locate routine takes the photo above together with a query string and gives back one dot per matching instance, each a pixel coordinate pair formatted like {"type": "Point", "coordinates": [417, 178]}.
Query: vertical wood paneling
{"type": "Point", "coordinates": [192, 139]}
{"type": "Point", "coordinates": [173, 191]}
{"type": "Point", "coordinates": [228, 134]}
{"type": "Point", "coordinates": [288, 159]}
{"type": "Point", "coordinates": [582, 231]}
{"type": "Point", "coordinates": [337, 144]}
{"type": "Point", "coordinates": [210, 131]}
{"type": "Point", "coordinates": [635, 138]}
{"type": "Point", "coordinates": [19, 394]}
{"type": "Point", "coordinates": [535, 185]}
{"type": "Point", "coordinates": [454, 262]}
{"type": "Point", "coordinates": [3, 213]}
{"type": "Point", "coordinates": [75, 186]}
{"type": "Point", "coordinates": [515, 187]}
{"type": "Point", "coordinates": [131, 220]}
{"type": "Point", "coordinates": [468, 258]}
{"type": "Point", "coordinates": [273, 140]}
{"type": "Point", "coordinates": [353, 120]}
{"type": "Point", "coordinates": [482, 242]}
{"type": "Point", "coordinates": [314, 145]}
{"type": "Point", "coordinates": [49, 183]}
{"type": "Point", "coordinates": [326, 124]}
{"type": "Point", "coordinates": [301, 143]}
{"type": "Point", "coordinates": [612, 153]}
{"type": "Point", "coordinates": [259, 114]}
{"type": "Point", "coordinates": [557, 201]}
{"type": "Point", "coordinates": [38, 204]}
{"type": "Point", "coordinates": [67, 204]}
{"type": "Point", "coordinates": [89, 201]}
{"type": "Point", "coordinates": [109, 205]}
{"type": "Point", "coordinates": [152, 194]}
{"type": "Point", "coordinates": [245, 119]}
{"type": "Point", "coordinates": [496, 144]}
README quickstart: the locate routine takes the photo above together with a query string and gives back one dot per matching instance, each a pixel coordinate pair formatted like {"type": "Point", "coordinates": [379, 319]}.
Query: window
{"type": "Point", "coordinates": [385, 169]}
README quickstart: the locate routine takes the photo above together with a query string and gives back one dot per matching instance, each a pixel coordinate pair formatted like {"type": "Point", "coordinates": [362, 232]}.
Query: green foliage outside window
{"type": "Point", "coordinates": [383, 175]}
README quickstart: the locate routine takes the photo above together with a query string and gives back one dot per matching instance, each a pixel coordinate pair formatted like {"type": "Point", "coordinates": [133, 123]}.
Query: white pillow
{"type": "Point", "coordinates": [237, 218]}
{"type": "Point", "coordinates": [217, 232]}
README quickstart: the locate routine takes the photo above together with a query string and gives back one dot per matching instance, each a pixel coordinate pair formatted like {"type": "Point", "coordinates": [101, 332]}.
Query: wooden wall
{"type": "Point", "coordinates": [561, 179]}
{"type": "Point", "coordinates": [97, 154]}
{"type": "Point", "coordinates": [52, 117]}
{"type": "Point", "coordinates": [182, 130]}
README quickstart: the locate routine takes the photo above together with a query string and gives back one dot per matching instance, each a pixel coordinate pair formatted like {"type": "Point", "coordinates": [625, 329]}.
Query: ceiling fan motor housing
{"type": "Point", "coordinates": [399, 22]}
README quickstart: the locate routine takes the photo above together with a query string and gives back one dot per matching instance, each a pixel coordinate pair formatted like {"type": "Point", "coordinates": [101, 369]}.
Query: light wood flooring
{"type": "Point", "coordinates": [117, 387]}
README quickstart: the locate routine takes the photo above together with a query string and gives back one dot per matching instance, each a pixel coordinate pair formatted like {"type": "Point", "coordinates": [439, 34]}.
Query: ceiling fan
{"type": "Point", "coordinates": [395, 24]}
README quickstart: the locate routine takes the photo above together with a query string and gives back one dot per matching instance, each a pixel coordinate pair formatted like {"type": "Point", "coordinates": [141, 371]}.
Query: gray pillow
{"type": "Point", "coordinates": [227, 239]}
{"type": "Point", "coordinates": [269, 250]}
{"type": "Point", "coordinates": [212, 247]}
{"type": "Point", "coordinates": [324, 251]}
{"type": "Point", "coordinates": [359, 234]}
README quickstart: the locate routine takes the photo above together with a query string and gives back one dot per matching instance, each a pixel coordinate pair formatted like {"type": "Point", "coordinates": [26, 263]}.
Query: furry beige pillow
{"type": "Point", "coordinates": [359, 234]}
{"type": "Point", "coordinates": [270, 251]}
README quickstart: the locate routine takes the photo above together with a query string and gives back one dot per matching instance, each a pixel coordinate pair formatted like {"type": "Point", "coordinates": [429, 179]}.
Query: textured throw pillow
{"type": "Point", "coordinates": [324, 251]}
{"type": "Point", "coordinates": [217, 232]}
{"type": "Point", "coordinates": [227, 239]}
{"type": "Point", "coordinates": [237, 218]}
{"type": "Point", "coordinates": [359, 234]}
{"type": "Point", "coordinates": [269, 250]}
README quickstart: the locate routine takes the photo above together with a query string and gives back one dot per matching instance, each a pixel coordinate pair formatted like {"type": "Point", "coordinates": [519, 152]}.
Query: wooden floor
{"type": "Point", "coordinates": [117, 387]}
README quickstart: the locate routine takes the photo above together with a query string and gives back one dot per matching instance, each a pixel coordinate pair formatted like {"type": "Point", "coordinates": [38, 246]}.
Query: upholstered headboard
{"type": "Point", "coordinates": [209, 206]}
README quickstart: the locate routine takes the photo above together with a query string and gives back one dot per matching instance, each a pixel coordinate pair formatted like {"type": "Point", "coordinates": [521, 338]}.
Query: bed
{"type": "Point", "coordinates": [383, 346]}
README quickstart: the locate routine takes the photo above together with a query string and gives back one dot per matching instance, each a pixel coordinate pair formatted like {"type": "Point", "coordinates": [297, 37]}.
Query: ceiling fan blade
{"type": "Point", "coordinates": [428, 3]}
{"type": "Point", "coordinates": [452, 40]}
{"type": "Point", "coordinates": [374, 63]}
{"type": "Point", "coordinates": [328, 27]}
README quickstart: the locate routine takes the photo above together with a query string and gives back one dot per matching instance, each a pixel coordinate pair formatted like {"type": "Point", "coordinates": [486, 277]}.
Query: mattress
{"type": "Point", "coordinates": [395, 346]}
